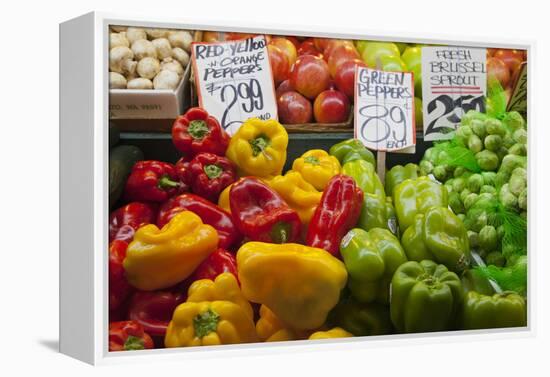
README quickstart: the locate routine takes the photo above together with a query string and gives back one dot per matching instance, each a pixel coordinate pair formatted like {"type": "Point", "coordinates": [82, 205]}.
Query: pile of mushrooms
{"type": "Point", "coordinates": [142, 58]}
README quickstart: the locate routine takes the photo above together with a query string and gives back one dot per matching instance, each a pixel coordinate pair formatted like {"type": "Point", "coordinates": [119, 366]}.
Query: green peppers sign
{"type": "Point", "coordinates": [233, 81]}
{"type": "Point", "coordinates": [454, 81]}
{"type": "Point", "coordinates": [384, 110]}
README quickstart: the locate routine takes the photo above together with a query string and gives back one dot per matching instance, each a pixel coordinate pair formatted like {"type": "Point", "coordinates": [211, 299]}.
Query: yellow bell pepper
{"type": "Point", "coordinates": [317, 167]}
{"type": "Point", "coordinates": [209, 323]}
{"type": "Point", "coordinates": [300, 195]}
{"type": "Point", "coordinates": [160, 258]}
{"type": "Point", "coordinates": [334, 333]}
{"type": "Point", "coordinates": [223, 200]}
{"type": "Point", "coordinates": [224, 288]}
{"type": "Point", "coordinates": [300, 284]}
{"type": "Point", "coordinates": [271, 329]}
{"type": "Point", "coordinates": [258, 148]}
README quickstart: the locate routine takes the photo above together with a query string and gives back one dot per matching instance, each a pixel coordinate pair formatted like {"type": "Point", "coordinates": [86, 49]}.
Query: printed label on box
{"type": "Point", "coordinates": [454, 81]}
{"type": "Point", "coordinates": [384, 109]}
{"type": "Point", "coordinates": [234, 81]}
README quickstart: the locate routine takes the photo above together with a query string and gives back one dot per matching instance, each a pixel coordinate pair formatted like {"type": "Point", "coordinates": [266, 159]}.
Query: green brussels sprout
{"type": "Point", "coordinates": [500, 232]}
{"type": "Point", "coordinates": [495, 127]}
{"type": "Point", "coordinates": [470, 200]}
{"type": "Point", "coordinates": [459, 184]}
{"type": "Point", "coordinates": [522, 172]}
{"type": "Point", "coordinates": [512, 161]}
{"type": "Point", "coordinates": [487, 160]}
{"type": "Point", "coordinates": [479, 222]}
{"type": "Point", "coordinates": [464, 193]}
{"type": "Point", "coordinates": [455, 203]}
{"type": "Point", "coordinates": [492, 142]}
{"type": "Point", "coordinates": [506, 197]}
{"type": "Point", "coordinates": [478, 126]}
{"type": "Point", "coordinates": [487, 189]}
{"type": "Point", "coordinates": [473, 237]}
{"type": "Point", "coordinates": [518, 149]}
{"type": "Point", "coordinates": [520, 136]}
{"type": "Point", "coordinates": [522, 199]}
{"type": "Point", "coordinates": [431, 155]}
{"type": "Point", "coordinates": [474, 183]}
{"type": "Point", "coordinates": [517, 184]}
{"type": "Point", "coordinates": [502, 177]}
{"type": "Point", "coordinates": [501, 153]}
{"type": "Point", "coordinates": [461, 216]}
{"type": "Point", "coordinates": [475, 144]}
{"type": "Point", "coordinates": [459, 171]}
{"type": "Point", "coordinates": [489, 177]}
{"type": "Point", "coordinates": [463, 133]}
{"type": "Point", "coordinates": [449, 184]}
{"type": "Point", "coordinates": [495, 258]}
{"type": "Point", "coordinates": [471, 115]}
{"type": "Point", "coordinates": [488, 239]}
{"type": "Point", "coordinates": [508, 141]}
{"type": "Point", "coordinates": [485, 197]}
{"type": "Point", "coordinates": [514, 120]}
{"type": "Point", "coordinates": [426, 167]}
{"type": "Point", "coordinates": [440, 173]}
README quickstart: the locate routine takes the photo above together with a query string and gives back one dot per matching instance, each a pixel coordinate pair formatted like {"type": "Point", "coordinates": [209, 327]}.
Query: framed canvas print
{"type": "Point", "coordinates": [248, 189]}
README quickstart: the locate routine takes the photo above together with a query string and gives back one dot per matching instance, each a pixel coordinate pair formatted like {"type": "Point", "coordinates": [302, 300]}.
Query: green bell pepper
{"type": "Point", "coordinates": [505, 309]}
{"type": "Point", "coordinates": [425, 297]}
{"type": "Point", "coordinates": [374, 211]}
{"type": "Point", "coordinates": [398, 174]}
{"type": "Point", "coordinates": [350, 150]}
{"type": "Point", "coordinates": [414, 196]}
{"type": "Point", "coordinates": [438, 235]}
{"type": "Point", "coordinates": [360, 319]}
{"type": "Point", "coordinates": [472, 280]}
{"type": "Point", "coordinates": [371, 258]}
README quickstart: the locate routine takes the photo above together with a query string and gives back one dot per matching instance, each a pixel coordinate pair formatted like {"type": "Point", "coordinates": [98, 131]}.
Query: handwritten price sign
{"type": "Point", "coordinates": [384, 109]}
{"type": "Point", "coordinates": [454, 81]}
{"type": "Point", "coordinates": [234, 81]}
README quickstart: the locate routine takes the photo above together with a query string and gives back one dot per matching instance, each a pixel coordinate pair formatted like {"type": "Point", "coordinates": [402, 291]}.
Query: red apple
{"type": "Point", "coordinates": [280, 67]}
{"type": "Point", "coordinates": [339, 55]}
{"type": "Point", "coordinates": [283, 88]}
{"type": "Point", "coordinates": [497, 69]}
{"type": "Point", "coordinates": [512, 58]}
{"type": "Point", "coordinates": [294, 41]}
{"type": "Point", "coordinates": [307, 47]}
{"type": "Point", "coordinates": [321, 43]}
{"type": "Point", "coordinates": [293, 108]}
{"type": "Point", "coordinates": [335, 44]}
{"type": "Point", "coordinates": [331, 106]}
{"type": "Point", "coordinates": [310, 76]}
{"type": "Point", "coordinates": [286, 47]}
{"type": "Point", "coordinates": [345, 76]}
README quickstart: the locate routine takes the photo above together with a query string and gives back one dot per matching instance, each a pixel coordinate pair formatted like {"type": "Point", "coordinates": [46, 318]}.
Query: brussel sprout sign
{"type": "Point", "coordinates": [384, 110]}
{"type": "Point", "coordinates": [233, 81]}
{"type": "Point", "coordinates": [454, 81]}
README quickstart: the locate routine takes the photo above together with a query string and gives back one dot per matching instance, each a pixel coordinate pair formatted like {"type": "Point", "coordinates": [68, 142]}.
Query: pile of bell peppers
{"type": "Point", "coordinates": [224, 247]}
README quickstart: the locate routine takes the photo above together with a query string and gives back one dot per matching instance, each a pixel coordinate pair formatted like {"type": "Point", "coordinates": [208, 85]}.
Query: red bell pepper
{"type": "Point", "coordinates": [153, 310]}
{"type": "Point", "coordinates": [261, 214]}
{"type": "Point", "coordinates": [182, 169]}
{"type": "Point", "coordinates": [119, 288]}
{"type": "Point", "coordinates": [216, 263]}
{"type": "Point", "coordinates": [210, 214]}
{"type": "Point", "coordinates": [151, 180]}
{"type": "Point", "coordinates": [210, 174]}
{"type": "Point", "coordinates": [128, 336]}
{"type": "Point", "coordinates": [196, 131]}
{"type": "Point", "coordinates": [124, 221]}
{"type": "Point", "coordinates": [337, 212]}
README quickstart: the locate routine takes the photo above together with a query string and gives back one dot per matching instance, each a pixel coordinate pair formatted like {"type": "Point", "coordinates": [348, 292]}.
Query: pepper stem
{"type": "Point", "coordinates": [212, 171]}
{"type": "Point", "coordinates": [198, 129]}
{"type": "Point", "coordinates": [312, 160]}
{"type": "Point", "coordinates": [280, 233]}
{"type": "Point", "coordinates": [166, 183]}
{"type": "Point", "coordinates": [259, 144]}
{"type": "Point", "coordinates": [133, 343]}
{"type": "Point", "coordinates": [205, 323]}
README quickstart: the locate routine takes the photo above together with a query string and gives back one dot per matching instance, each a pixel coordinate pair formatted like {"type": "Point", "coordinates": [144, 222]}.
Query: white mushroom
{"type": "Point", "coordinates": [117, 81]}
{"type": "Point", "coordinates": [164, 50]}
{"type": "Point", "coordinates": [181, 56]}
{"type": "Point", "coordinates": [118, 28]}
{"type": "Point", "coordinates": [135, 34]}
{"type": "Point", "coordinates": [181, 38]}
{"type": "Point", "coordinates": [171, 65]}
{"type": "Point", "coordinates": [143, 48]}
{"type": "Point", "coordinates": [156, 33]}
{"type": "Point", "coordinates": [118, 39]}
{"type": "Point", "coordinates": [148, 67]}
{"type": "Point", "coordinates": [140, 83]}
{"type": "Point", "coordinates": [121, 60]}
{"type": "Point", "coordinates": [166, 80]}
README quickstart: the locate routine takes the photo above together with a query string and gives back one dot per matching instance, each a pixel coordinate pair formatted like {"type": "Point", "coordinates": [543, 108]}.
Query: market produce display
{"type": "Point", "coordinates": [241, 240]}
{"type": "Point", "coordinates": [141, 58]}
